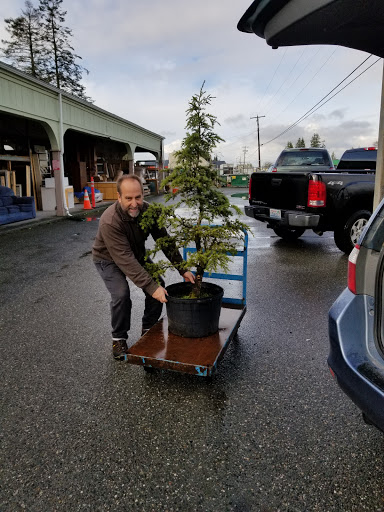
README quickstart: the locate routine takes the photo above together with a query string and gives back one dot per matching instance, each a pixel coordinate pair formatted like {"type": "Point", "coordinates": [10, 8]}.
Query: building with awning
{"type": "Point", "coordinates": [47, 133]}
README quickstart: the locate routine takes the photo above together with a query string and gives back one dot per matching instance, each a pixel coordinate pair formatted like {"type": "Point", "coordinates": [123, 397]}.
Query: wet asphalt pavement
{"type": "Point", "coordinates": [270, 432]}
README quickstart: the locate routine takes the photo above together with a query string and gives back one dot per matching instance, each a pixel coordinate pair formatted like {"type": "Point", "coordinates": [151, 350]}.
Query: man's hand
{"type": "Point", "coordinates": [189, 277]}
{"type": "Point", "coordinates": [160, 294]}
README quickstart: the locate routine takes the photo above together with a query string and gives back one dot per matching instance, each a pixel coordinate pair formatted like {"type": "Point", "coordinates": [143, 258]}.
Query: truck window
{"type": "Point", "coordinates": [358, 160]}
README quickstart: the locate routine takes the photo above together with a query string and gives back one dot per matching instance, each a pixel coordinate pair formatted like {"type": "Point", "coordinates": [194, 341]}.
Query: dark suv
{"type": "Point", "coordinates": [356, 325]}
{"type": "Point", "coordinates": [358, 159]}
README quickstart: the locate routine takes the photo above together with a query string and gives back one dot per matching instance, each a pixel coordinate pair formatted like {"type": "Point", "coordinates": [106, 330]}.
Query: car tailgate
{"type": "Point", "coordinates": [287, 191]}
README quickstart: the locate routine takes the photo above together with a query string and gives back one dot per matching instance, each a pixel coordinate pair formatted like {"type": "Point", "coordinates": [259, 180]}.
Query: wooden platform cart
{"type": "Point", "coordinates": [160, 349]}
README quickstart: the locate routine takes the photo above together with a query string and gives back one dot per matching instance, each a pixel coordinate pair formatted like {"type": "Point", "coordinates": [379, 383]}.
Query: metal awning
{"type": "Point", "coordinates": [352, 23]}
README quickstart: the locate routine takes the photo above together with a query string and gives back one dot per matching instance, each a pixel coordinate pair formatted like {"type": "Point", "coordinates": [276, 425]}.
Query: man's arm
{"type": "Point", "coordinates": [121, 252]}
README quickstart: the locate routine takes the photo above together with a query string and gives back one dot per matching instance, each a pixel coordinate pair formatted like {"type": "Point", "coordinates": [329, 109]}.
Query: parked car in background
{"type": "Point", "coordinates": [356, 325]}
{"type": "Point", "coordinates": [358, 159]}
{"type": "Point", "coordinates": [303, 160]}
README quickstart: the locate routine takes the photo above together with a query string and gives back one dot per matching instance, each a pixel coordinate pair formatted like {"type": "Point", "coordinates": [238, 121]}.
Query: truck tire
{"type": "Point", "coordinates": [347, 234]}
{"type": "Point", "coordinates": [288, 234]}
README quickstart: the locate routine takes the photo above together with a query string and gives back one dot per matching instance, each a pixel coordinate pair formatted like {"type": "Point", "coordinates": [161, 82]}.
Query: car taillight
{"type": "Point", "coordinates": [274, 169]}
{"type": "Point", "coordinates": [352, 268]}
{"type": "Point", "coordinates": [249, 189]}
{"type": "Point", "coordinates": [316, 193]}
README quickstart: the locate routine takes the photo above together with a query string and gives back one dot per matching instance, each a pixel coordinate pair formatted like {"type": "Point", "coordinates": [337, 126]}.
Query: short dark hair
{"type": "Point", "coordinates": [132, 177]}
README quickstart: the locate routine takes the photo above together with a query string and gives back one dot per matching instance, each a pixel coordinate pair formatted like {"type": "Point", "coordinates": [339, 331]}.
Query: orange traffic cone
{"type": "Point", "coordinates": [87, 202]}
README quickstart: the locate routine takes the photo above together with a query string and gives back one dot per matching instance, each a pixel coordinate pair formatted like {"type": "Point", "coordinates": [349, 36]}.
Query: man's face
{"type": "Point", "coordinates": [131, 197]}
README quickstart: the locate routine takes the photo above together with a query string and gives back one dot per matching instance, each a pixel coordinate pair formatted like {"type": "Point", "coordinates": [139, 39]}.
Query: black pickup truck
{"type": "Point", "coordinates": [338, 200]}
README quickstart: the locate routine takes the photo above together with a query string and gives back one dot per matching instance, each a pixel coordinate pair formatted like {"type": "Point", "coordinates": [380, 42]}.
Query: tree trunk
{"type": "Point", "coordinates": [196, 289]}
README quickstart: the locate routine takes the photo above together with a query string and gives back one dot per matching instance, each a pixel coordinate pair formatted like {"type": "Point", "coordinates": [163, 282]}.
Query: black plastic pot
{"type": "Point", "coordinates": [193, 318]}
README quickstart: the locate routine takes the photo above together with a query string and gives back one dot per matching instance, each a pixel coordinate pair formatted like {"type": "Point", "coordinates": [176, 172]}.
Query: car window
{"type": "Point", "coordinates": [358, 160]}
{"type": "Point", "coordinates": [302, 158]}
{"type": "Point", "coordinates": [374, 235]}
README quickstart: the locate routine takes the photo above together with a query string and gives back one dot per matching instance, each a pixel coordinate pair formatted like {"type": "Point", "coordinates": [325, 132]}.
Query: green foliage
{"type": "Point", "coordinates": [62, 69]}
{"type": "Point", "coordinates": [40, 44]}
{"type": "Point", "coordinates": [212, 226]}
{"type": "Point", "coordinates": [315, 141]}
{"type": "Point", "coordinates": [300, 143]}
{"type": "Point", "coordinates": [25, 48]}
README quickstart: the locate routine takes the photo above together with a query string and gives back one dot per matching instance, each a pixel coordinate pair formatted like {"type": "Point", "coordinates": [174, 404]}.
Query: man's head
{"type": "Point", "coordinates": [130, 194]}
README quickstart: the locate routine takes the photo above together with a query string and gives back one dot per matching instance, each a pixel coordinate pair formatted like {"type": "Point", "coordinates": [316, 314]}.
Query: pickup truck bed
{"type": "Point", "coordinates": [329, 201]}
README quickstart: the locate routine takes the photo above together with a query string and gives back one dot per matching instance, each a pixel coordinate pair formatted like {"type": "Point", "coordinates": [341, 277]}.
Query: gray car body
{"type": "Point", "coordinates": [356, 330]}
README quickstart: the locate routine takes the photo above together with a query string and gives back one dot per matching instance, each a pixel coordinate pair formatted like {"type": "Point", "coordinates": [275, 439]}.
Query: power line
{"type": "Point", "coordinates": [306, 85]}
{"type": "Point", "coordinates": [312, 111]}
{"type": "Point", "coordinates": [242, 137]}
{"type": "Point", "coordinates": [284, 81]}
{"type": "Point", "coordinates": [273, 76]}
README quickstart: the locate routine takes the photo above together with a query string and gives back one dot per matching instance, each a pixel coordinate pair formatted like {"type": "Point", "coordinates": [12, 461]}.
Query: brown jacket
{"type": "Point", "coordinates": [121, 239]}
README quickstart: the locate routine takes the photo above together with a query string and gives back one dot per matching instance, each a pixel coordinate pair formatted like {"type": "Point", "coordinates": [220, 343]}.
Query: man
{"type": "Point", "coordinates": [119, 253]}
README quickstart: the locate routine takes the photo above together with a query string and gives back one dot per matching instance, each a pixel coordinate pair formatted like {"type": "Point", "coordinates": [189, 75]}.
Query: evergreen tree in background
{"type": "Point", "coordinates": [62, 70]}
{"type": "Point", "coordinates": [300, 143]}
{"type": "Point", "coordinates": [316, 142]}
{"type": "Point", "coordinates": [25, 49]}
{"type": "Point", "coordinates": [289, 145]}
{"type": "Point", "coordinates": [40, 45]}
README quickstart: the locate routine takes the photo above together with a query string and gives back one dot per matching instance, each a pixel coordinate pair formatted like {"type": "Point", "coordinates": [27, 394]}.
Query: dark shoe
{"type": "Point", "coordinates": [119, 349]}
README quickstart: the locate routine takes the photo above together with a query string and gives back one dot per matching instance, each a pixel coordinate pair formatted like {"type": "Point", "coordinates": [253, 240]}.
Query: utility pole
{"type": "Point", "coordinates": [245, 150]}
{"type": "Point", "coordinates": [258, 136]}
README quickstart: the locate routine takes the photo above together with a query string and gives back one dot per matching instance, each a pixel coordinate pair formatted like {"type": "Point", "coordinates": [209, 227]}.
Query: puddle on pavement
{"type": "Point", "coordinates": [83, 219]}
{"type": "Point", "coordinates": [240, 194]}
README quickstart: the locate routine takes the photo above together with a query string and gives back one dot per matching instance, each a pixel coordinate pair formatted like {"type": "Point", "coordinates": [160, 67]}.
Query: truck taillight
{"type": "Point", "coordinates": [352, 268]}
{"type": "Point", "coordinates": [316, 193]}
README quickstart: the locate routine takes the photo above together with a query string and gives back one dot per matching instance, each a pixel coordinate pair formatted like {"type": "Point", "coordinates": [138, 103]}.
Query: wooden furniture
{"type": "Point", "coordinates": [107, 188]}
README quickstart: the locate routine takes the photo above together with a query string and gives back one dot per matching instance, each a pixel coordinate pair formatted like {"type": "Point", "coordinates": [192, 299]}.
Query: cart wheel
{"type": "Point", "coordinates": [149, 369]}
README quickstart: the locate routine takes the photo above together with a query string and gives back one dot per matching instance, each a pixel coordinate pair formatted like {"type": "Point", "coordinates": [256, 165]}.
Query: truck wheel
{"type": "Point", "coordinates": [288, 234]}
{"type": "Point", "coordinates": [347, 234]}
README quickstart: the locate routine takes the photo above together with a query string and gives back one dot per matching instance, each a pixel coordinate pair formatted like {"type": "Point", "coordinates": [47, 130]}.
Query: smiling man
{"type": "Point", "coordinates": [119, 253]}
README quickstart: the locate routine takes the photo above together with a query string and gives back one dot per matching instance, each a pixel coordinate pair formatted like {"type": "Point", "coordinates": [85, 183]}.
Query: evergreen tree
{"type": "Point", "coordinates": [300, 143]}
{"type": "Point", "coordinates": [193, 181]}
{"type": "Point", "coordinates": [289, 145]}
{"type": "Point", "coordinates": [62, 69]}
{"type": "Point", "coordinates": [315, 141]}
{"type": "Point", "coordinates": [25, 49]}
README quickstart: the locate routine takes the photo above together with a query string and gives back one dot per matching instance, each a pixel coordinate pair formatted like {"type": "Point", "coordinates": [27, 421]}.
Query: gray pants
{"type": "Point", "coordinates": [121, 304]}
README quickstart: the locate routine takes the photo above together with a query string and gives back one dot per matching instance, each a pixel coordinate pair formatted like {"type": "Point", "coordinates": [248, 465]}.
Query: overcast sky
{"type": "Point", "coordinates": [146, 59]}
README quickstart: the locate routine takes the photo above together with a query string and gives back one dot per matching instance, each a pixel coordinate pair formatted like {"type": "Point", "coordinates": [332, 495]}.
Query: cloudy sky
{"type": "Point", "coordinates": [146, 59]}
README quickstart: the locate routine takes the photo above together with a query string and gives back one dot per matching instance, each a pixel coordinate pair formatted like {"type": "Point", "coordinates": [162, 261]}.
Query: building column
{"type": "Point", "coordinates": [379, 179]}
{"type": "Point", "coordinates": [58, 173]}
{"type": "Point", "coordinates": [131, 166]}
